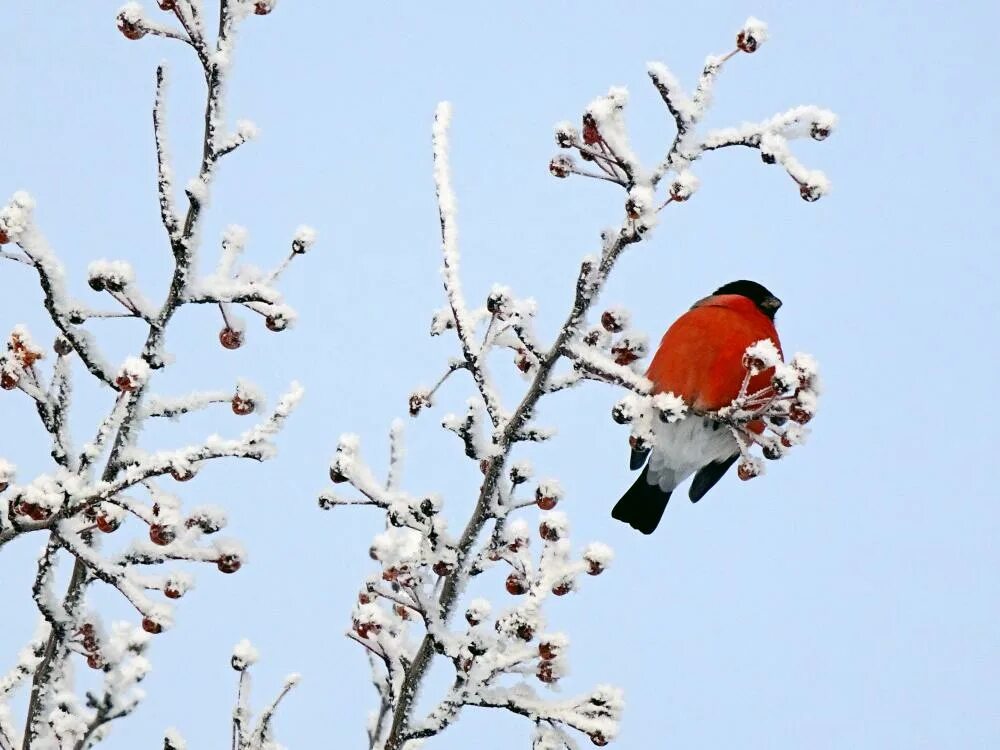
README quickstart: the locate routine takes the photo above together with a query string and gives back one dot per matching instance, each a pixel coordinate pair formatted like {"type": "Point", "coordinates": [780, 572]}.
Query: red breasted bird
{"type": "Point", "coordinates": [700, 359]}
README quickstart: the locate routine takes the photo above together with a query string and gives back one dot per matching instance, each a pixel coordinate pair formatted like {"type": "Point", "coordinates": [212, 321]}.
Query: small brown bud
{"type": "Point", "coordinates": [7, 381]}
{"type": "Point", "coordinates": [598, 739]}
{"type": "Point", "coordinates": [151, 626]}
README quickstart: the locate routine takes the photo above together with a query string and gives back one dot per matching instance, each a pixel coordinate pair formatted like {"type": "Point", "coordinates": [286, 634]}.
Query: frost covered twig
{"type": "Point", "coordinates": [84, 497]}
{"type": "Point", "coordinates": [425, 570]}
{"type": "Point", "coordinates": [260, 735]}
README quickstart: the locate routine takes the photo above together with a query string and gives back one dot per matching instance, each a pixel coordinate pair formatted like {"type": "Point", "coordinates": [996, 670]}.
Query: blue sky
{"type": "Point", "coordinates": [847, 599]}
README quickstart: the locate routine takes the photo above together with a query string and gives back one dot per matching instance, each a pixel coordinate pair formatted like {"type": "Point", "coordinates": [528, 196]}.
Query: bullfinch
{"type": "Point", "coordinates": [700, 360]}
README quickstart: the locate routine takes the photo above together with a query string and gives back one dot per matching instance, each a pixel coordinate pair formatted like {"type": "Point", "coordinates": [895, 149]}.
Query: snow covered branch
{"type": "Point", "coordinates": [405, 611]}
{"type": "Point", "coordinates": [112, 484]}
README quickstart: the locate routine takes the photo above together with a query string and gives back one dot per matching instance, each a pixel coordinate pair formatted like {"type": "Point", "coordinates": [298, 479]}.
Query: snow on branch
{"type": "Point", "coordinates": [502, 654]}
{"type": "Point", "coordinates": [112, 484]}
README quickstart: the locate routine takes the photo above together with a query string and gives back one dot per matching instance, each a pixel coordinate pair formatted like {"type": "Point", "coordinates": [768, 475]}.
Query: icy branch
{"type": "Point", "coordinates": [110, 484]}
{"type": "Point", "coordinates": [425, 571]}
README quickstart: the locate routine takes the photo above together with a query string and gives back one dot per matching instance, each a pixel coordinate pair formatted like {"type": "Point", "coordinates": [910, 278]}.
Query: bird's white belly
{"type": "Point", "coordinates": [684, 446]}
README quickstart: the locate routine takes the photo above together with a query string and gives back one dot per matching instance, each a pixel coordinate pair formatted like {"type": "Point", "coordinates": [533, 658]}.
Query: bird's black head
{"type": "Point", "coordinates": [759, 294]}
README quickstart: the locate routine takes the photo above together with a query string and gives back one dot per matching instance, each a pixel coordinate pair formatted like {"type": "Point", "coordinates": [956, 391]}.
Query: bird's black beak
{"type": "Point", "coordinates": [770, 306]}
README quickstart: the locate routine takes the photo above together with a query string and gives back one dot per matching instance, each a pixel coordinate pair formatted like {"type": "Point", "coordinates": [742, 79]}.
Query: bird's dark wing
{"type": "Point", "coordinates": [708, 475]}
{"type": "Point", "coordinates": [638, 458]}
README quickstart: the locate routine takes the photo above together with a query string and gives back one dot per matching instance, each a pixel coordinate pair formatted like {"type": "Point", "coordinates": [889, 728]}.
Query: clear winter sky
{"type": "Point", "coordinates": [847, 599]}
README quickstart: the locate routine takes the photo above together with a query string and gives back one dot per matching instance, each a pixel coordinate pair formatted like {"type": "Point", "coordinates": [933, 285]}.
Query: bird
{"type": "Point", "coordinates": [700, 360]}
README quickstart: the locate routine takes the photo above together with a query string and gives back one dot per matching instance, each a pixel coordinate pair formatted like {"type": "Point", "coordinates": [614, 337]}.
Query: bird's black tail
{"type": "Point", "coordinates": [642, 506]}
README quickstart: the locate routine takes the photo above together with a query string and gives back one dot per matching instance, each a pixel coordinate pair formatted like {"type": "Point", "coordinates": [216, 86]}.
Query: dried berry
{"type": "Point", "coordinates": [561, 166]}
{"type": "Point", "coordinates": [129, 29]}
{"type": "Point", "coordinates": [818, 132]}
{"type": "Point", "coordinates": [107, 524]}
{"type": "Point", "coordinates": [243, 406]}
{"type": "Point", "coordinates": [746, 41]}
{"type": "Point", "coordinates": [516, 585]}
{"type": "Point", "coordinates": [562, 588]}
{"type": "Point", "coordinates": [545, 502]}
{"type": "Point", "coordinates": [7, 381]}
{"type": "Point", "coordinates": [161, 535]}
{"type": "Point", "coordinates": [229, 563]}
{"type": "Point", "coordinates": [620, 414]}
{"type": "Point", "coordinates": [747, 470]}
{"type": "Point", "coordinates": [276, 322]}
{"type": "Point", "coordinates": [613, 321]}
{"type": "Point", "coordinates": [62, 346]}
{"type": "Point", "coordinates": [548, 532]}
{"type": "Point", "coordinates": [810, 193]}
{"type": "Point", "coordinates": [183, 475]}
{"type": "Point", "coordinates": [418, 400]}
{"type": "Point", "coordinates": [545, 672]}
{"type": "Point", "coordinates": [547, 650]}
{"type": "Point", "coordinates": [441, 568]}
{"type": "Point", "coordinates": [230, 338]}
{"type": "Point", "coordinates": [799, 415]}
{"type": "Point", "coordinates": [151, 626]}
